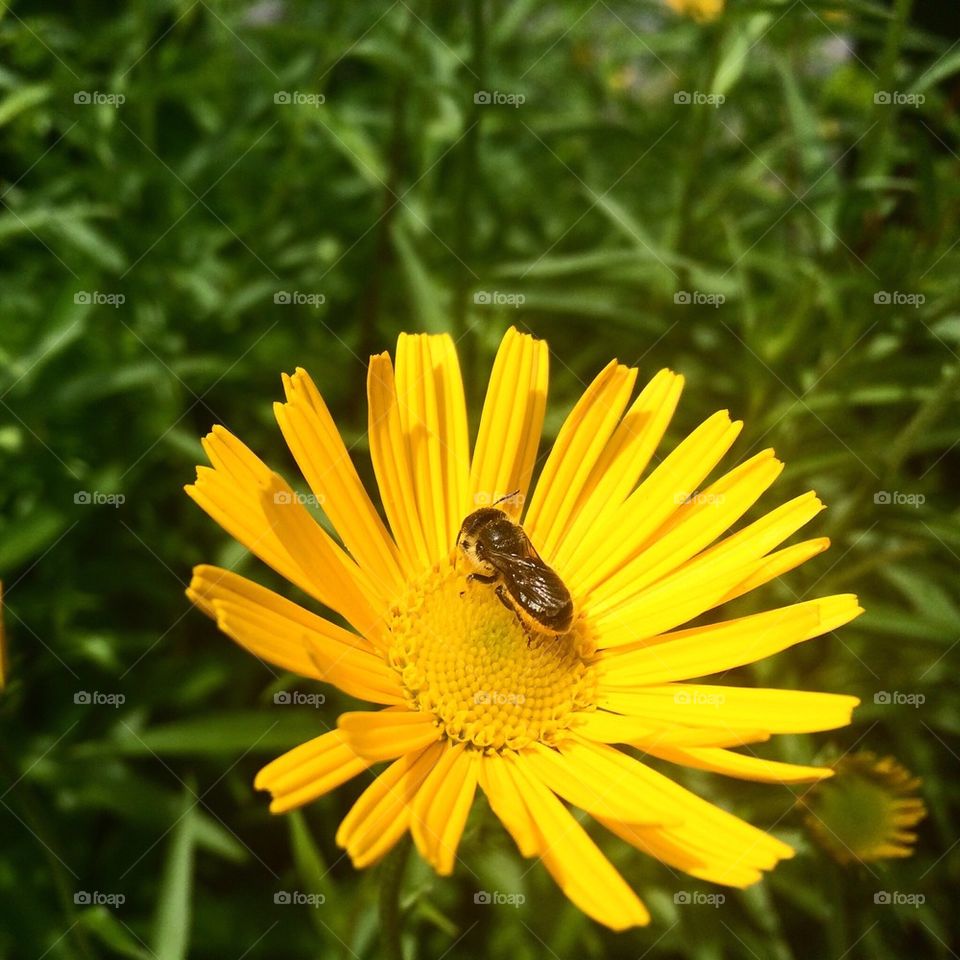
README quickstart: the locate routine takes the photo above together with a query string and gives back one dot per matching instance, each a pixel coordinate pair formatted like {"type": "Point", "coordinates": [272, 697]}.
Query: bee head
{"type": "Point", "coordinates": [471, 539]}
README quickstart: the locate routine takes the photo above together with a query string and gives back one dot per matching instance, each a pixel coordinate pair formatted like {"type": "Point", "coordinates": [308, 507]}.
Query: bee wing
{"type": "Point", "coordinates": [532, 582]}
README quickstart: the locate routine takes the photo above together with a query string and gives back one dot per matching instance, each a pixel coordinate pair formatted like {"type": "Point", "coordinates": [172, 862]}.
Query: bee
{"type": "Point", "coordinates": [500, 552]}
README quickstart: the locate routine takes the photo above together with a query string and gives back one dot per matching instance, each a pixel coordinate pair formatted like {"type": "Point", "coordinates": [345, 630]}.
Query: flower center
{"type": "Point", "coordinates": [463, 656]}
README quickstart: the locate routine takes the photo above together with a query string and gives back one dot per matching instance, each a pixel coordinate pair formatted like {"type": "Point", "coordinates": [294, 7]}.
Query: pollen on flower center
{"type": "Point", "coordinates": [464, 657]}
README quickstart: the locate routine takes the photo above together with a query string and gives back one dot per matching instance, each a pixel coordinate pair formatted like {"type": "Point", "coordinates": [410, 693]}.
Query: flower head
{"type": "Point", "coordinates": [467, 697]}
{"type": "Point", "coordinates": [702, 10]}
{"type": "Point", "coordinates": [868, 811]}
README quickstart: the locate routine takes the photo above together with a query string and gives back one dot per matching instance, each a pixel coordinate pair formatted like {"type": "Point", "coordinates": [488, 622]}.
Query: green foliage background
{"type": "Point", "coordinates": [199, 198]}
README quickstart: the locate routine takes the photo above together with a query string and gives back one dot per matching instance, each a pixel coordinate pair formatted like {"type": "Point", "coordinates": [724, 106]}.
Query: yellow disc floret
{"type": "Point", "coordinates": [464, 657]}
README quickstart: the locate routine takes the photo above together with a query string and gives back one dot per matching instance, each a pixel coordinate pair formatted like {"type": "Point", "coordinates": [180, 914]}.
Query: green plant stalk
{"type": "Point", "coordinates": [877, 145]}
{"type": "Point", "coordinates": [391, 882]}
{"type": "Point", "coordinates": [469, 180]}
{"type": "Point", "coordinates": [922, 420]}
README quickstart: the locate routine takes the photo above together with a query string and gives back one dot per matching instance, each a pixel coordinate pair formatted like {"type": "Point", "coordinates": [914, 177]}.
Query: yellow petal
{"type": "Point", "coordinates": [574, 860]}
{"type": "Point", "coordinates": [776, 565]}
{"type": "Point", "coordinates": [512, 420]}
{"type": "Point", "coordinates": [614, 539]}
{"type": "Point", "coordinates": [230, 494]}
{"type": "Point", "coordinates": [506, 801]}
{"type": "Point", "coordinates": [579, 445]}
{"type": "Point", "coordinates": [455, 446]}
{"type": "Point", "coordinates": [715, 828]}
{"type": "Point", "coordinates": [322, 456]}
{"type": "Point", "coordinates": [739, 765]}
{"type": "Point", "coordinates": [694, 526]}
{"type": "Point", "coordinates": [309, 771]}
{"type": "Point", "coordinates": [688, 851]}
{"type": "Point", "coordinates": [556, 770]}
{"type": "Point", "coordinates": [624, 459]}
{"type": "Point", "coordinates": [387, 734]}
{"type": "Point", "coordinates": [283, 633]}
{"type": "Point", "coordinates": [701, 583]}
{"type": "Point", "coordinates": [731, 708]}
{"type": "Point", "coordinates": [433, 421]}
{"type": "Point", "coordinates": [442, 804]}
{"type": "Point", "coordinates": [604, 727]}
{"type": "Point", "coordinates": [381, 814]}
{"type": "Point", "coordinates": [700, 651]}
{"type": "Point", "coordinates": [330, 572]}
{"type": "Point", "coordinates": [391, 464]}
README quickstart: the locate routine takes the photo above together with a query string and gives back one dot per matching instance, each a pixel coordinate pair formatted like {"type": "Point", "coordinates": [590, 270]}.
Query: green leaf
{"type": "Point", "coordinates": [171, 937]}
{"type": "Point", "coordinates": [220, 733]}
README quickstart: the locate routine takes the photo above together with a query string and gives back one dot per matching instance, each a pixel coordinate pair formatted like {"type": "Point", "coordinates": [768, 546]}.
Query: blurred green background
{"type": "Point", "coordinates": [200, 195]}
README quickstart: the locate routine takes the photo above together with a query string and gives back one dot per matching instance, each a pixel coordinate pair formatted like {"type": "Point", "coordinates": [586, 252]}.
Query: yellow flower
{"type": "Point", "coordinates": [702, 10]}
{"type": "Point", "coordinates": [467, 700]}
{"type": "Point", "coordinates": [868, 811]}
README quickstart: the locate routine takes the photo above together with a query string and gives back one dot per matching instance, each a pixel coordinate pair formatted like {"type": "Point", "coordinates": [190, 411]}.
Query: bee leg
{"type": "Point", "coordinates": [483, 578]}
{"type": "Point", "coordinates": [502, 597]}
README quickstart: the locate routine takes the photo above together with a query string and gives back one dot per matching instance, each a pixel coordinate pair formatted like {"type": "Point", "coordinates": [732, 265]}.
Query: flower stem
{"type": "Point", "coordinates": [390, 885]}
